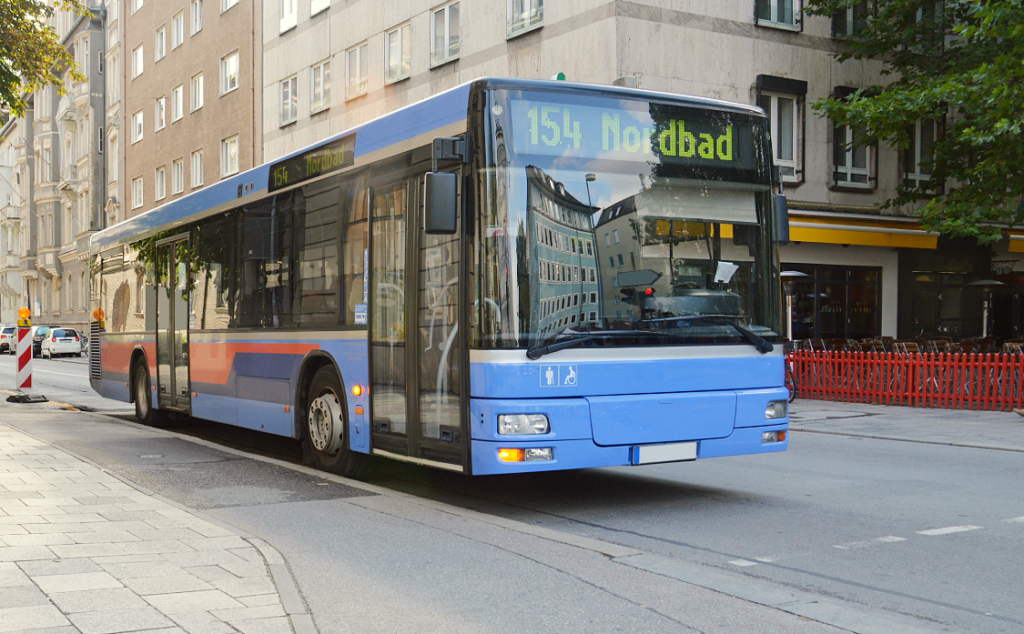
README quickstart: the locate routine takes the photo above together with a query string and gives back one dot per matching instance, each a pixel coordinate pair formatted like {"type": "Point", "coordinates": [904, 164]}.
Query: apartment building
{"type": "Point", "coordinates": [191, 71]}
{"type": "Point", "coordinates": [858, 271]}
{"type": "Point", "coordinates": [58, 186]}
{"type": "Point", "coordinates": [11, 293]}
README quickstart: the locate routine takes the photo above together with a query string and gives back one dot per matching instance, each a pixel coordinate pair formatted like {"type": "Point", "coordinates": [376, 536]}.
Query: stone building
{"type": "Point", "coordinates": [58, 180]}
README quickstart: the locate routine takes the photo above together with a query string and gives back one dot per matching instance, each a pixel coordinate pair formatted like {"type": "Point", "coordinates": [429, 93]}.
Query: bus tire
{"type": "Point", "coordinates": [325, 443]}
{"type": "Point", "coordinates": [144, 410]}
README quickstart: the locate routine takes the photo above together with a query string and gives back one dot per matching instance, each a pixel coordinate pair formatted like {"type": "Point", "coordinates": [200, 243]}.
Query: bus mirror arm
{"type": "Point", "coordinates": [782, 219]}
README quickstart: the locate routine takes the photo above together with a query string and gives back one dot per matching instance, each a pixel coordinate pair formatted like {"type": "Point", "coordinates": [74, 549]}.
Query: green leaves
{"type": "Point", "coordinates": [31, 55]}
{"type": "Point", "coordinates": [959, 61]}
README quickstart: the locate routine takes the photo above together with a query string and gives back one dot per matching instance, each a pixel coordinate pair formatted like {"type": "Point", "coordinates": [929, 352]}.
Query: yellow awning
{"type": "Point", "coordinates": [869, 233]}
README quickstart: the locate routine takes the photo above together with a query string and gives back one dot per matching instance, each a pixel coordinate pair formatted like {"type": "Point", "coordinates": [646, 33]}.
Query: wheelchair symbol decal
{"type": "Point", "coordinates": [558, 376]}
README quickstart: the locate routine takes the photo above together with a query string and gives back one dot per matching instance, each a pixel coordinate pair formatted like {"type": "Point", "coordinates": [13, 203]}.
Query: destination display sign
{"type": "Point", "coordinates": [646, 133]}
{"type": "Point", "coordinates": [325, 159]}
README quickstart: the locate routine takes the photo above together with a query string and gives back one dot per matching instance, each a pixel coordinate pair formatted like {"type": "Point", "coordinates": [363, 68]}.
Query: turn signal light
{"type": "Point", "coordinates": [773, 436]}
{"type": "Point", "coordinates": [510, 455]}
{"type": "Point", "coordinates": [357, 390]}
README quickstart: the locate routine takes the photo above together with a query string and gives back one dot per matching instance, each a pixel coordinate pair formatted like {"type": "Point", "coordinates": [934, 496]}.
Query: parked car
{"type": "Point", "coordinates": [60, 342]}
{"type": "Point", "coordinates": [38, 334]}
{"type": "Point", "coordinates": [9, 339]}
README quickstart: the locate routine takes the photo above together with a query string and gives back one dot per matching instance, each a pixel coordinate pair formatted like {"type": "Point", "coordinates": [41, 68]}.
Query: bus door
{"type": "Point", "coordinates": [172, 324]}
{"type": "Point", "coordinates": [415, 356]}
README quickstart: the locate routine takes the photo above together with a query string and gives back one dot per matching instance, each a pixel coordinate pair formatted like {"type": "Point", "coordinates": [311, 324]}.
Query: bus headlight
{"type": "Point", "coordinates": [520, 424]}
{"type": "Point", "coordinates": [776, 409]}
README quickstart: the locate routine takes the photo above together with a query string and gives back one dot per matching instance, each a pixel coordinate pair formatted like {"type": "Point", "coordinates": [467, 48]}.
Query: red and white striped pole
{"type": "Point", "coordinates": [24, 349]}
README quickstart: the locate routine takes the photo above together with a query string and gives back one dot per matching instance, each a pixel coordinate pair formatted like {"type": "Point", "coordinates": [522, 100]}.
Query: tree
{"type": "Point", "coordinates": [955, 61]}
{"type": "Point", "coordinates": [31, 55]}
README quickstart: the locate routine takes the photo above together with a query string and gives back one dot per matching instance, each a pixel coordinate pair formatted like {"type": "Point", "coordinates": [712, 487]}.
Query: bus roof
{"type": "Point", "coordinates": [431, 115]}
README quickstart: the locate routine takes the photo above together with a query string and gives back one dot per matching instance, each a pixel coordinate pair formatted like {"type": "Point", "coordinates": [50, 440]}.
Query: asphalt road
{"type": "Point", "coordinates": [933, 532]}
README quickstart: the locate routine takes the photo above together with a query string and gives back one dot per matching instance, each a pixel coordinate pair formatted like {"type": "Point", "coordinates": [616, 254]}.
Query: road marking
{"type": "Point", "coordinates": [948, 530]}
{"type": "Point", "coordinates": [1015, 519]}
{"type": "Point", "coordinates": [743, 562]}
{"type": "Point", "coordinates": [889, 539]}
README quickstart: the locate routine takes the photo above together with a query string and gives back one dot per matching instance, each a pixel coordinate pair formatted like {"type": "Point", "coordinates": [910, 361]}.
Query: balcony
{"type": "Point", "coordinates": [10, 262]}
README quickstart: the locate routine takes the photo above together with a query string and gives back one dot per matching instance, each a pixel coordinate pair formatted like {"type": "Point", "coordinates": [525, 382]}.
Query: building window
{"type": "Point", "coordinates": [320, 87]}
{"type": "Point", "coordinates": [136, 193]}
{"type": "Point", "coordinates": [161, 113]}
{"type": "Point", "coordinates": [851, 163]}
{"type": "Point", "coordinates": [227, 4]}
{"type": "Point", "coordinates": [197, 92]}
{"type": "Point", "coordinates": [784, 127]}
{"type": "Point", "coordinates": [137, 122]}
{"type": "Point", "coordinates": [177, 30]}
{"type": "Point", "coordinates": [779, 13]}
{"type": "Point", "coordinates": [197, 169]}
{"type": "Point", "coordinates": [444, 34]}
{"type": "Point", "coordinates": [160, 184]}
{"type": "Point", "coordinates": [850, 19]}
{"type": "Point", "coordinates": [137, 56]}
{"type": "Point", "coordinates": [289, 100]}
{"type": "Point", "coordinates": [136, 5]}
{"type": "Point", "coordinates": [177, 103]}
{"type": "Point", "coordinates": [161, 44]}
{"type": "Point", "coordinates": [289, 15]}
{"type": "Point", "coordinates": [397, 53]}
{"type": "Point", "coordinates": [316, 6]}
{"type": "Point", "coordinates": [197, 16]}
{"type": "Point", "coordinates": [917, 158]}
{"type": "Point", "coordinates": [229, 156]}
{"type": "Point", "coordinates": [99, 140]}
{"type": "Point", "coordinates": [355, 71]}
{"type": "Point", "coordinates": [178, 176]}
{"type": "Point", "coordinates": [524, 16]}
{"type": "Point", "coordinates": [229, 73]}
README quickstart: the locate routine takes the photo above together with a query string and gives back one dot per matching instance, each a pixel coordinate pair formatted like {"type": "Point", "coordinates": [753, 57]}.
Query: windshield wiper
{"type": "Point", "coordinates": [547, 347]}
{"type": "Point", "coordinates": [764, 347]}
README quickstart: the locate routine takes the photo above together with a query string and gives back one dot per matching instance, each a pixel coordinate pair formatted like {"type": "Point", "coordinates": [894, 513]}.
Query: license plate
{"type": "Point", "coordinates": [673, 452]}
{"type": "Point", "coordinates": [65, 341]}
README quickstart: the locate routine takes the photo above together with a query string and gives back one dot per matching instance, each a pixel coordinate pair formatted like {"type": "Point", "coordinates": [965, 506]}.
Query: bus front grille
{"type": "Point", "coordinates": [95, 371]}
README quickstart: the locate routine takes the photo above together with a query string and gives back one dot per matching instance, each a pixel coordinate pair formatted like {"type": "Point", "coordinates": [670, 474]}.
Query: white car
{"type": "Point", "coordinates": [61, 341]}
{"type": "Point", "coordinates": [9, 339]}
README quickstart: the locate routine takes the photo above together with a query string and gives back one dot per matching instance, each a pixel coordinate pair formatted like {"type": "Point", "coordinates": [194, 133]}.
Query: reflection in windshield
{"type": "Point", "coordinates": [615, 249]}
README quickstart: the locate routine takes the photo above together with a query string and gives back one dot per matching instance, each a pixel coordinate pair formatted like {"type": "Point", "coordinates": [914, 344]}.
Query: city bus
{"type": "Point", "coordinates": [509, 276]}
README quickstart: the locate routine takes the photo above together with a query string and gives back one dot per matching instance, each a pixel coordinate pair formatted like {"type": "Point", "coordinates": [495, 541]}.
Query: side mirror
{"type": "Point", "coordinates": [782, 219]}
{"type": "Point", "coordinates": [440, 203]}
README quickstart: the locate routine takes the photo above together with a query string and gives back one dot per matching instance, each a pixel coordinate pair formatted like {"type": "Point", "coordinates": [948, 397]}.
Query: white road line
{"type": "Point", "coordinates": [948, 530]}
{"type": "Point", "coordinates": [743, 562]}
{"type": "Point", "coordinates": [1015, 519]}
{"type": "Point", "coordinates": [878, 540]}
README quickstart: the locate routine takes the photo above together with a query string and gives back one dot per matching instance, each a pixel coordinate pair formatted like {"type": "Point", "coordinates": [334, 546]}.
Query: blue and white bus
{"type": "Point", "coordinates": [510, 276]}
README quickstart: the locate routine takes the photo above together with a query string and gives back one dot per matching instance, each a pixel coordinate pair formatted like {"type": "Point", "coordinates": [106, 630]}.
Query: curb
{"type": "Point", "coordinates": [919, 441]}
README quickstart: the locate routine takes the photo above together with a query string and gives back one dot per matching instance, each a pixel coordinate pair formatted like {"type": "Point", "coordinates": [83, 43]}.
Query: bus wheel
{"type": "Point", "coordinates": [144, 410]}
{"type": "Point", "coordinates": [324, 442]}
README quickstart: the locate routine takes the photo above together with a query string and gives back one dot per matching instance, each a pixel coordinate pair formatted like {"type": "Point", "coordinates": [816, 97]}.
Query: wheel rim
{"type": "Point", "coordinates": [141, 396]}
{"type": "Point", "coordinates": [326, 423]}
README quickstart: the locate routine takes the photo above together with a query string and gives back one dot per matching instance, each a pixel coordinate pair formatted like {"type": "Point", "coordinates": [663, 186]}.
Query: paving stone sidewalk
{"type": "Point", "coordinates": [957, 427]}
{"type": "Point", "coordinates": [83, 552]}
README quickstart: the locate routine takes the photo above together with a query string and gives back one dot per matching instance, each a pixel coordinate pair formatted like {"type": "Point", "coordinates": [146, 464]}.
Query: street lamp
{"type": "Point", "coordinates": [789, 286]}
{"type": "Point", "coordinates": [986, 298]}
{"type": "Point", "coordinates": [590, 179]}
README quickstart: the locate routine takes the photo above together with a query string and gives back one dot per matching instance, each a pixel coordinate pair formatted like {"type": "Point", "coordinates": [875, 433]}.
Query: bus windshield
{"type": "Point", "coordinates": [624, 223]}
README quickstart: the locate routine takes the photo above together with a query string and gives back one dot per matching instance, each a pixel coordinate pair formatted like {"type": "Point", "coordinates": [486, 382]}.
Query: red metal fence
{"type": "Point", "coordinates": [953, 381]}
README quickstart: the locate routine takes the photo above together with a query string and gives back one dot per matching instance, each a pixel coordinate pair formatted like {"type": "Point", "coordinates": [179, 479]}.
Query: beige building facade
{"type": "Point", "coordinates": [190, 71]}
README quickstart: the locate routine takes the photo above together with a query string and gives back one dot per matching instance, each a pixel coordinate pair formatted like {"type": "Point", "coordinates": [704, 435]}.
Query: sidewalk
{"type": "Point", "coordinates": [955, 427]}
{"type": "Point", "coordinates": [83, 552]}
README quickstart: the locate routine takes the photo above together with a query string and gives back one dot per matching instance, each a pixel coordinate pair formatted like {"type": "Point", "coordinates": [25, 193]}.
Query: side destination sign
{"type": "Point", "coordinates": [325, 159]}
